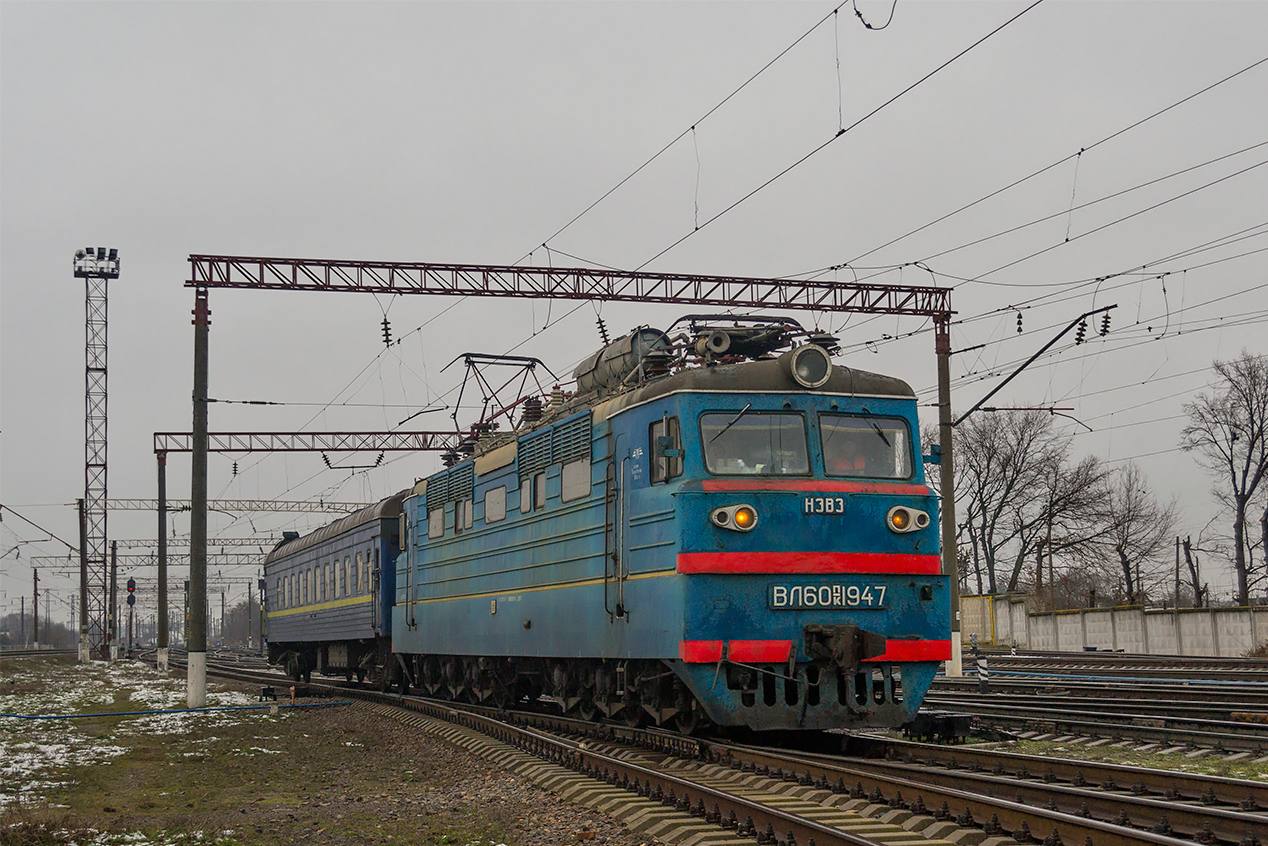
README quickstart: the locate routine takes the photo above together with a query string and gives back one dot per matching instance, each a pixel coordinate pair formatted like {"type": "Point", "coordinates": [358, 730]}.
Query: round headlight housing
{"type": "Point", "coordinates": [902, 519]}
{"type": "Point", "coordinates": [809, 365]}
{"type": "Point", "coordinates": [736, 518]}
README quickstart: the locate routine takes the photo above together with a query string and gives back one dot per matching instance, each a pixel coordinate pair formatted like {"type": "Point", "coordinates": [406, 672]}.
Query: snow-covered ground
{"type": "Point", "coordinates": [35, 755]}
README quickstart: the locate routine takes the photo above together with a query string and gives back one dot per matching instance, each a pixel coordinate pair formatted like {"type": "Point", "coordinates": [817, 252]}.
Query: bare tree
{"type": "Point", "coordinates": [1139, 532]}
{"type": "Point", "coordinates": [1003, 463]}
{"type": "Point", "coordinates": [1228, 432]}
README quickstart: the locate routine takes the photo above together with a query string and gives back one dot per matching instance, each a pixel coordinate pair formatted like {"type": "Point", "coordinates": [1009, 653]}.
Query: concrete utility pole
{"type": "Point", "coordinates": [161, 659]}
{"type": "Point", "coordinates": [83, 585]}
{"type": "Point", "coordinates": [197, 636]}
{"type": "Point", "coordinates": [950, 561]}
{"type": "Point", "coordinates": [35, 611]}
{"type": "Point", "coordinates": [113, 637]}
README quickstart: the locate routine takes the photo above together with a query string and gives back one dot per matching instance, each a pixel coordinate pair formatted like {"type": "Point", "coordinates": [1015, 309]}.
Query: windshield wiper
{"type": "Point", "coordinates": [878, 431]}
{"type": "Point", "coordinates": [732, 423]}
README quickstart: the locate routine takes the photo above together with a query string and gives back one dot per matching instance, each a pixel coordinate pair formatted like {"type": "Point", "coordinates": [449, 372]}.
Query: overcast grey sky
{"type": "Point", "coordinates": [471, 132]}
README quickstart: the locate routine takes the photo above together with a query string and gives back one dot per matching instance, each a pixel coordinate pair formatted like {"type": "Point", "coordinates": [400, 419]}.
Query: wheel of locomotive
{"type": "Point", "coordinates": [631, 715]}
{"type": "Point", "coordinates": [689, 718]}
{"type": "Point", "coordinates": [504, 685]}
{"type": "Point", "coordinates": [587, 692]}
{"type": "Point", "coordinates": [432, 677]}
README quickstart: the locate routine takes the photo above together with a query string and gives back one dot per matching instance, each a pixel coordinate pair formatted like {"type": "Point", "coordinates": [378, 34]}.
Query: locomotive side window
{"type": "Point", "coordinates": [436, 522]}
{"type": "Point", "coordinates": [539, 490]}
{"type": "Point", "coordinates": [463, 515]}
{"type": "Point", "coordinates": [665, 467]}
{"type": "Point", "coordinates": [869, 447]}
{"type": "Point", "coordinates": [495, 505]}
{"type": "Point", "coordinates": [754, 442]}
{"type": "Point", "coordinates": [576, 480]}
{"type": "Point", "coordinates": [526, 496]}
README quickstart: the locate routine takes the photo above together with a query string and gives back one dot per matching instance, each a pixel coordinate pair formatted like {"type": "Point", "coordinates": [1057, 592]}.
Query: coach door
{"type": "Point", "coordinates": [374, 592]}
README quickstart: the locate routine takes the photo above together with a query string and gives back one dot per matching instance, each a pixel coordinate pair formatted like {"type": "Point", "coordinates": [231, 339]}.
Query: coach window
{"type": "Point", "coordinates": [576, 480]}
{"type": "Point", "coordinates": [324, 576]}
{"type": "Point", "coordinates": [495, 505]}
{"type": "Point", "coordinates": [343, 578]}
{"type": "Point", "coordinates": [665, 467]}
{"type": "Point", "coordinates": [306, 577]}
{"type": "Point", "coordinates": [539, 490]}
{"type": "Point", "coordinates": [365, 574]}
{"type": "Point", "coordinates": [526, 496]}
{"type": "Point", "coordinates": [436, 522]}
{"type": "Point", "coordinates": [290, 591]}
{"type": "Point", "coordinates": [356, 568]}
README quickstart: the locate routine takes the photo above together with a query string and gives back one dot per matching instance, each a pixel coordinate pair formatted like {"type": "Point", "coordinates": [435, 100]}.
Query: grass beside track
{"type": "Point", "coordinates": [313, 776]}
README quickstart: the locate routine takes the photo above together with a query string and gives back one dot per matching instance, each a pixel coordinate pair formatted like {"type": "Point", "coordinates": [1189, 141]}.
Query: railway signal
{"type": "Point", "coordinates": [132, 591]}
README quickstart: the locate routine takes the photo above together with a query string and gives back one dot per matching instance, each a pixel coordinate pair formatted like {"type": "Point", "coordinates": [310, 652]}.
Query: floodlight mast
{"type": "Point", "coordinates": [96, 266]}
{"type": "Point", "coordinates": [473, 280]}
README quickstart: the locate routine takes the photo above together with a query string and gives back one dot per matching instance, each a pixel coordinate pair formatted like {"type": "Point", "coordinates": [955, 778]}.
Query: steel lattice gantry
{"type": "Point", "coordinates": [96, 267]}
{"type": "Point", "coordinates": [291, 274]}
{"type": "Point", "coordinates": [165, 442]}
{"type": "Point", "coordinates": [241, 505]}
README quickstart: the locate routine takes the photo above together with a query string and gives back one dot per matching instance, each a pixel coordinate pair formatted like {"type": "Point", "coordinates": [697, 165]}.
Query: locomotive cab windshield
{"type": "Point", "coordinates": [754, 442]}
{"type": "Point", "coordinates": [871, 447]}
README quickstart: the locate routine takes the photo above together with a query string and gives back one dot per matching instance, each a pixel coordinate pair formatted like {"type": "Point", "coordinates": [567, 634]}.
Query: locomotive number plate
{"type": "Point", "coordinates": [823, 505]}
{"type": "Point", "coordinates": [800, 597]}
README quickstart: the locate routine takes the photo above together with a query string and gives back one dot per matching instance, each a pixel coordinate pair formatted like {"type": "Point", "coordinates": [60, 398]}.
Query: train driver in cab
{"type": "Point", "coordinates": [846, 458]}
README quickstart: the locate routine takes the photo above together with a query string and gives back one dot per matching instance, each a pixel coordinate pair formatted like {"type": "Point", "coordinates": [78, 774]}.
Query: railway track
{"type": "Point", "coordinates": [673, 786]}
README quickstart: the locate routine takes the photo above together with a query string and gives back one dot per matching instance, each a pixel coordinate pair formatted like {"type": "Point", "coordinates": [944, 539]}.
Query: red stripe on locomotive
{"type": "Point", "coordinates": [807, 562]}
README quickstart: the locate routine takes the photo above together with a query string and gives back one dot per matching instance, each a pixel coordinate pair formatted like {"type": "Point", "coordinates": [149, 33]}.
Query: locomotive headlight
{"type": "Point", "coordinates": [737, 518]}
{"type": "Point", "coordinates": [745, 518]}
{"type": "Point", "coordinates": [809, 365]}
{"type": "Point", "coordinates": [902, 519]}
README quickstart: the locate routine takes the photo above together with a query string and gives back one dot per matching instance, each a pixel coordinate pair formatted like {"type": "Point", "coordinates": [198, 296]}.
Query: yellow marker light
{"type": "Point", "coordinates": [900, 519]}
{"type": "Point", "coordinates": [745, 517]}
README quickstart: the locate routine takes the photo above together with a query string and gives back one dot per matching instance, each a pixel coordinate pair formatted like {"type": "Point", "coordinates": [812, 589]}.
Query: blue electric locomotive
{"type": "Point", "coordinates": [703, 533]}
{"type": "Point", "coordinates": [329, 595]}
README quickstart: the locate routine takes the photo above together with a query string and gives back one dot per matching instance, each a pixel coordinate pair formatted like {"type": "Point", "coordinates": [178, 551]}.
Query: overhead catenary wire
{"type": "Point", "coordinates": [1034, 174]}
{"type": "Point", "coordinates": [840, 133]}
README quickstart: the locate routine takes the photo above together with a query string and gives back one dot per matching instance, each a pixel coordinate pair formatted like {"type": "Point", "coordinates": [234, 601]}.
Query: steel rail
{"type": "Point", "coordinates": [1196, 787]}
{"type": "Point", "coordinates": [1229, 825]}
{"type": "Point", "coordinates": [684, 794]}
{"type": "Point", "coordinates": [1073, 722]}
{"type": "Point", "coordinates": [1005, 815]}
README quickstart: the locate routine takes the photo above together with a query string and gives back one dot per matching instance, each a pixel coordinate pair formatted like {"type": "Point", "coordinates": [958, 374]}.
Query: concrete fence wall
{"type": "Point", "coordinates": [1007, 621]}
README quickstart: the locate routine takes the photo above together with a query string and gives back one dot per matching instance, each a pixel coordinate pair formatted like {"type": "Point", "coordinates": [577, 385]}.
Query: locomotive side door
{"type": "Point", "coordinates": [615, 566]}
